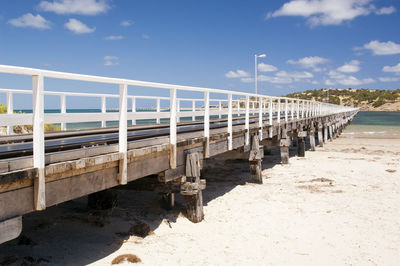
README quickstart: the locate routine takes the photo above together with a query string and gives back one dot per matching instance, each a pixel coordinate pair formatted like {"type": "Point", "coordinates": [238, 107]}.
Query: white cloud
{"type": "Point", "coordinates": [281, 77]}
{"type": "Point", "coordinates": [78, 27]}
{"type": "Point", "coordinates": [270, 79]}
{"type": "Point", "coordinates": [353, 81]}
{"type": "Point", "coordinates": [309, 62]}
{"type": "Point", "coordinates": [388, 79]}
{"type": "Point", "coordinates": [30, 21]}
{"type": "Point", "coordinates": [237, 74]}
{"type": "Point", "coordinates": [110, 57]}
{"type": "Point", "coordinates": [145, 36]}
{"type": "Point", "coordinates": [295, 75]}
{"type": "Point", "coordinates": [110, 63]}
{"type": "Point", "coordinates": [346, 80]}
{"type": "Point", "coordinates": [386, 10]}
{"type": "Point", "coordinates": [80, 7]}
{"type": "Point", "coordinates": [395, 69]}
{"type": "Point", "coordinates": [382, 48]}
{"type": "Point", "coordinates": [127, 23]}
{"type": "Point", "coordinates": [110, 60]}
{"type": "Point", "coordinates": [114, 37]}
{"type": "Point", "coordinates": [350, 67]}
{"type": "Point", "coordinates": [325, 12]}
{"type": "Point", "coordinates": [266, 68]}
{"type": "Point", "coordinates": [329, 82]}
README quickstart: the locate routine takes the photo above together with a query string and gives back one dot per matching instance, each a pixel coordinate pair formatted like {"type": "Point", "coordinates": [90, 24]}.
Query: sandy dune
{"type": "Point", "coordinates": [338, 206]}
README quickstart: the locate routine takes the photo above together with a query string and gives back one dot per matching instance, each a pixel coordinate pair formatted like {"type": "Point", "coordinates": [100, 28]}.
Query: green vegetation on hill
{"type": "Point", "coordinates": [350, 97]}
{"type": "Point", "coordinates": [28, 128]}
{"type": "Point", "coordinates": [3, 109]}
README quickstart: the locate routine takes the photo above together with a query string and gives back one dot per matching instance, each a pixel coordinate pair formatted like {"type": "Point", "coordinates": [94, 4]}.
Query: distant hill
{"type": "Point", "coordinates": [366, 100]}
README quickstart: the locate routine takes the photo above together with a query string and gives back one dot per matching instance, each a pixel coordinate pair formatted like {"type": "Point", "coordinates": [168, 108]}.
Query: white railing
{"type": "Point", "coordinates": [228, 104]}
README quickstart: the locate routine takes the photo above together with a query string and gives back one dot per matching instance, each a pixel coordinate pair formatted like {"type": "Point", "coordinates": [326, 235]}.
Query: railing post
{"type": "Point", "coordinates": [38, 143]}
{"type": "Point", "coordinates": [63, 110]}
{"type": "Point", "coordinates": [298, 109]}
{"type": "Point", "coordinates": [279, 110]}
{"type": "Point", "coordinates": [302, 109]}
{"type": "Point", "coordinates": [247, 120]}
{"type": "Point", "coordinates": [260, 118]}
{"type": "Point", "coordinates": [178, 110]}
{"type": "Point", "coordinates": [10, 110]}
{"type": "Point", "coordinates": [219, 109]}
{"type": "Point", "coordinates": [133, 109]}
{"type": "Point", "coordinates": [193, 110]}
{"type": "Point", "coordinates": [230, 121]}
{"type": "Point", "coordinates": [286, 110]}
{"type": "Point", "coordinates": [103, 109]}
{"type": "Point", "coordinates": [270, 111]}
{"type": "Point", "coordinates": [292, 110]}
{"type": "Point", "coordinates": [172, 128]}
{"type": "Point", "coordinates": [207, 123]}
{"type": "Point", "coordinates": [123, 133]}
{"type": "Point", "coordinates": [158, 109]}
{"type": "Point", "coordinates": [238, 107]}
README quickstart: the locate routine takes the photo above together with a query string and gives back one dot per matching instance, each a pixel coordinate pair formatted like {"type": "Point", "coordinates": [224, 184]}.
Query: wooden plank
{"type": "Point", "coordinates": [148, 165]}
{"type": "Point", "coordinates": [19, 175]}
{"type": "Point", "coordinates": [10, 229]}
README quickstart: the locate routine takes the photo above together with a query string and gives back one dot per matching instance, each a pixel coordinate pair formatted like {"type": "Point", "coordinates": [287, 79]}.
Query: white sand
{"type": "Point", "coordinates": [289, 220]}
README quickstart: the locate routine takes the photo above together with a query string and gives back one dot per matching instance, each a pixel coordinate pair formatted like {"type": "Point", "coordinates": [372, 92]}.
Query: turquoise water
{"type": "Point", "coordinates": [365, 124]}
{"type": "Point", "coordinates": [374, 125]}
{"type": "Point", "coordinates": [90, 125]}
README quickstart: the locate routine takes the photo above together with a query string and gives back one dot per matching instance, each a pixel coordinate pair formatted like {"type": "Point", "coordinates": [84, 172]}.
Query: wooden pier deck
{"type": "Point", "coordinates": [36, 176]}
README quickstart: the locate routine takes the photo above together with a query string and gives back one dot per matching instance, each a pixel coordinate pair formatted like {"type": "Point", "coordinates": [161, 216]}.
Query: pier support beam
{"type": "Point", "coordinates": [284, 147]}
{"type": "Point", "coordinates": [301, 144]}
{"type": "Point", "coordinates": [330, 128]}
{"type": "Point", "coordinates": [168, 200]}
{"type": "Point", "coordinates": [10, 229]}
{"type": "Point", "coordinates": [192, 191]}
{"type": "Point", "coordinates": [325, 133]}
{"type": "Point", "coordinates": [320, 136]}
{"type": "Point", "coordinates": [255, 158]}
{"type": "Point", "coordinates": [312, 138]}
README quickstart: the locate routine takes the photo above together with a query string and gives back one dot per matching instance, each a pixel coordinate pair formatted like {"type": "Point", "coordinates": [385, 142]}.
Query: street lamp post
{"type": "Point", "coordinates": [255, 70]}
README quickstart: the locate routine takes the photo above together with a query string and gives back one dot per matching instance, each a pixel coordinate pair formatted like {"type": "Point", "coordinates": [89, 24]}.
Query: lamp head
{"type": "Point", "coordinates": [262, 56]}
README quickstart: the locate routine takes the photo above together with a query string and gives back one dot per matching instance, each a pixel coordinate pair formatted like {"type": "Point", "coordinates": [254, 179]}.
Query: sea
{"type": "Point", "coordinates": [374, 125]}
{"type": "Point", "coordinates": [364, 125]}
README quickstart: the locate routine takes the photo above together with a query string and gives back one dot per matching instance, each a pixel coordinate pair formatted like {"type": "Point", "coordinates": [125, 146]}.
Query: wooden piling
{"type": "Point", "coordinates": [301, 144]}
{"type": "Point", "coordinates": [192, 192]}
{"type": "Point", "coordinates": [312, 138]}
{"type": "Point", "coordinates": [320, 137]}
{"type": "Point", "coordinates": [255, 158]}
{"type": "Point", "coordinates": [168, 201]}
{"type": "Point", "coordinates": [284, 148]}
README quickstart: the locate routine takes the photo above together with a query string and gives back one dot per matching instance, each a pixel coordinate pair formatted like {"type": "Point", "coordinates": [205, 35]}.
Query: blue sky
{"type": "Point", "coordinates": [310, 44]}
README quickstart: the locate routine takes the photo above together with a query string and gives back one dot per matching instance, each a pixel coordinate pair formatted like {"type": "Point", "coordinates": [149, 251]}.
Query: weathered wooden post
{"type": "Point", "coordinates": [255, 159]}
{"type": "Point", "coordinates": [301, 145]}
{"type": "Point", "coordinates": [320, 137]}
{"type": "Point", "coordinates": [284, 146]}
{"type": "Point", "coordinates": [325, 133]}
{"type": "Point", "coordinates": [312, 137]}
{"type": "Point", "coordinates": [192, 191]}
{"type": "Point", "coordinates": [330, 128]}
{"type": "Point", "coordinates": [168, 200]}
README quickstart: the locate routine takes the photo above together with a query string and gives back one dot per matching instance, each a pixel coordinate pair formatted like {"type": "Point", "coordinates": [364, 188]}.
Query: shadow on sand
{"type": "Point", "coordinates": [73, 234]}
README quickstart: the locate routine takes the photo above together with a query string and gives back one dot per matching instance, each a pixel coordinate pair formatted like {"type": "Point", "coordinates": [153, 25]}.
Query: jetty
{"type": "Point", "coordinates": [42, 169]}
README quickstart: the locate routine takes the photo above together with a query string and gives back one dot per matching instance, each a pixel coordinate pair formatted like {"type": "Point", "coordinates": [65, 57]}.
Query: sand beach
{"type": "Point", "coordinates": [337, 206]}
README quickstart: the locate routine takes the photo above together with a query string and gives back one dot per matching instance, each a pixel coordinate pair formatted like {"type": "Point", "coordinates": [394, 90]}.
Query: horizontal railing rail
{"type": "Point", "coordinates": [265, 108]}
